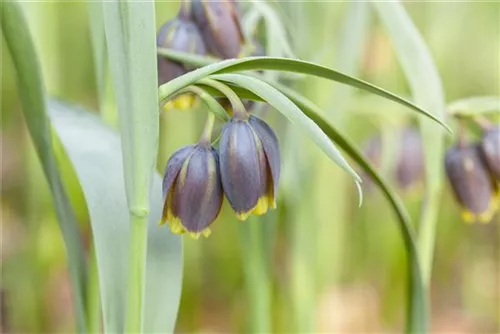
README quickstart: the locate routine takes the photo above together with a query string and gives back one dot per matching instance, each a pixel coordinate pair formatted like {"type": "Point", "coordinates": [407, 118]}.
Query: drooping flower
{"type": "Point", "coordinates": [179, 34]}
{"type": "Point", "coordinates": [192, 190]}
{"type": "Point", "coordinates": [472, 185]}
{"type": "Point", "coordinates": [250, 166]}
{"type": "Point", "coordinates": [490, 146]}
{"type": "Point", "coordinates": [219, 23]}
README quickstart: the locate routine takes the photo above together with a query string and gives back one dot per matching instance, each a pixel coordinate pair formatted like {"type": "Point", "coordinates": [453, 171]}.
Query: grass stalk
{"type": "Point", "coordinates": [137, 269]}
{"type": "Point", "coordinates": [256, 269]}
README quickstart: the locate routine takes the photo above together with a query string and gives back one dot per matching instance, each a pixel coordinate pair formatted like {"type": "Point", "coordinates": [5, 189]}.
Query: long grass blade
{"type": "Point", "coordinates": [427, 90]}
{"type": "Point", "coordinates": [32, 93]}
{"type": "Point", "coordinates": [98, 165]}
{"type": "Point", "coordinates": [276, 64]}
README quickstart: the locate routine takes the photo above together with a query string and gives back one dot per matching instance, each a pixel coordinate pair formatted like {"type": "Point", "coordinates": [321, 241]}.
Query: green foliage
{"type": "Point", "coordinates": [98, 164]}
{"type": "Point", "coordinates": [31, 88]}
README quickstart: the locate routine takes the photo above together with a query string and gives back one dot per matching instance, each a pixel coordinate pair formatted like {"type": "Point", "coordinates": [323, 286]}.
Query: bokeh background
{"type": "Point", "coordinates": [340, 266]}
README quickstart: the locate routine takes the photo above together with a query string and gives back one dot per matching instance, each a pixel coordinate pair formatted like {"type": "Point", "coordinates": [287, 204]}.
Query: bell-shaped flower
{"type": "Point", "coordinates": [472, 185]}
{"type": "Point", "coordinates": [192, 190]}
{"type": "Point", "coordinates": [250, 166]}
{"type": "Point", "coordinates": [219, 22]}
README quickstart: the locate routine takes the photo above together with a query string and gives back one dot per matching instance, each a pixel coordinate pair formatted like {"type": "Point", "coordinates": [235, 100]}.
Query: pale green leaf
{"type": "Point", "coordinates": [475, 106]}
{"type": "Point", "coordinates": [95, 153]}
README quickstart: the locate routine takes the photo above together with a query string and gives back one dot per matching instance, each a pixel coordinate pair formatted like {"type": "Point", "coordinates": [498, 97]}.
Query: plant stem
{"type": "Point", "coordinates": [137, 269]}
{"type": "Point", "coordinates": [257, 275]}
{"type": "Point", "coordinates": [206, 136]}
{"type": "Point", "coordinates": [238, 107]}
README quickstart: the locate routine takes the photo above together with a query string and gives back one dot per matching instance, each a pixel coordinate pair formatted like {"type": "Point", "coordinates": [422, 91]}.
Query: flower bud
{"type": "Point", "coordinates": [490, 146]}
{"type": "Point", "coordinates": [178, 34]}
{"type": "Point", "coordinates": [471, 183]}
{"type": "Point", "coordinates": [250, 166]}
{"type": "Point", "coordinates": [220, 25]}
{"type": "Point", "coordinates": [192, 190]}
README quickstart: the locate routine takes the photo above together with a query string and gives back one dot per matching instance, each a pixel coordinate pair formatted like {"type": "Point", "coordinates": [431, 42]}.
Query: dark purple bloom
{"type": "Point", "coordinates": [472, 185]}
{"type": "Point", "coordinates": [219, 23]}
{"type": "Point", "coordinates": [250, 166]}
{"type": "Point", "coordinates": [178, 34]}
{"type": "Point", "coordinates": [192, 190]}
{"type": "Point", "coordinates": [490, 146]}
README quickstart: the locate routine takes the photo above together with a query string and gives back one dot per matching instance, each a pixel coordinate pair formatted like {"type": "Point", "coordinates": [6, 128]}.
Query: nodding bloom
{"type": "Point", "coordinates": [490, 146]}
{"type": "Point", "coordinates": [179, 34]}
{"type": "Point", "coordinates": [219, 23]}
{"type": "Point", "coordinates": [250, 166]}
{"type": "Point", "coordinates": [192, 190]}
{"type": "Point", "coordinates": [408, 166]}
{"type": "Point", "coordinates": [472, 185]}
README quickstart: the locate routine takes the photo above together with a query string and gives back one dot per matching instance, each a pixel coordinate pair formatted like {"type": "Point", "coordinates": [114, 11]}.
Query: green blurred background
{"type": "Point", "coordinates": [342, 266]}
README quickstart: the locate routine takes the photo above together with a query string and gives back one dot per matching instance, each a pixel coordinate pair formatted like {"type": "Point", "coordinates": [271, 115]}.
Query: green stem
{"type": "Point", "coordinates": [256, 275]}
{"type": "Point", "coordinates": [137, 269]}
{"type": "Point", "coordinates": [427, 235]}
{"type": "Point", "coordinates": [238, 107]}
{"type": "Point", "coordinates": [206, 136]}
{"type": "Point", "coordinates": [93, 297]}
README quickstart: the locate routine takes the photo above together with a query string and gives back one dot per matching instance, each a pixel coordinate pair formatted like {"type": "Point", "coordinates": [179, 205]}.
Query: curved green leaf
{"type": "Point", "coordinates": [474, 106]}
{"type": "Point", "coordinates": [98, 163]}
{"type": "Point", "coordinates": [270, 63]}
{"type": "Point", "coordinates": [32, 93]}
{"type": "Point", "coordinates": [418, 297]}
{"type": "Point", "coordinates": [418, 306]}
{"type": "Point", "coordinates": [281, 103]}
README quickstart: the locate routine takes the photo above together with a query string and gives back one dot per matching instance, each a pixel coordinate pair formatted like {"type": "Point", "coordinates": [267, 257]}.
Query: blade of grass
{"type": "Point", "coordinates": [427, 90]}
{"type": "Point", "coordinates": [474, 106]}
{"type": "Point", "coordinates": [98, 165]}
{"type": "Point", "coordinates": [99, 52]}
{"type": "Point", "coordinates": [417, 304]}
{"type": "Point", "coordinates": [32, 93]}
{"type": "Point", "coordinates": [130, 36]}
{"type": "Point", "coordinates": [417, 301]}
{"type": "Point", "coordinates": [294, 114]}
{"type": "Point", "coordinates": [271, 63]}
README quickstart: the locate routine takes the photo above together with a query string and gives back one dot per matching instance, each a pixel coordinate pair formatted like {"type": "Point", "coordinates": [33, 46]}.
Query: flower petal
{"type": "Point", "coordinates": [471, 183]}
{"type": "Point", "coordinates": [197, 197]}
{"type": "Point", "coordinates": [174, 166]}
{"type": "Point", "coordinates": [240, 166]}
{"type": "Point", "coordinates": [271, 148]}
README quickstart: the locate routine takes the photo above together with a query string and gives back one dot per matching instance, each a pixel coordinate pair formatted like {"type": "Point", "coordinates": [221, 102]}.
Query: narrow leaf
{"type": "Point", "coordinates": [427, 90]}
{"type": "Point", "coordinates": [475, 106]}
{"type": "Point", "coordinates": [32, 93]}
{"type": "Point", "coordinates": [294, 114]}
{"type": "Point", "coordinates": [419, 299]}
{"type": "Point", "coordinates": [277, 64]}
{"type": "Point", "coordinates": [98, 164]}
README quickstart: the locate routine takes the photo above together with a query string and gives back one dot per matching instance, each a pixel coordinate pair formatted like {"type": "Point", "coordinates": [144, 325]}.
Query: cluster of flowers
{"type": "Point", "coordinates": [201, 28]}
{"type": "Point", "coordinates": [246, 167]}
{"type": "Point", "coordinates": [473, 170]}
